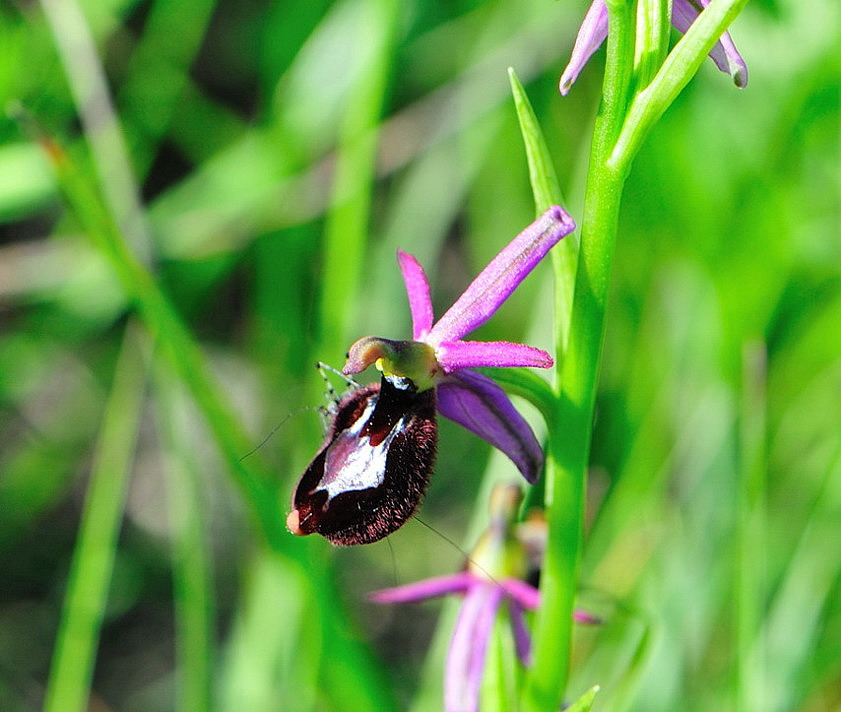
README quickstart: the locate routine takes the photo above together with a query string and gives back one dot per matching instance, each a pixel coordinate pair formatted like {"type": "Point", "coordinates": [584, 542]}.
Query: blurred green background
{"type": "Point", "coordinates": [263, 161]}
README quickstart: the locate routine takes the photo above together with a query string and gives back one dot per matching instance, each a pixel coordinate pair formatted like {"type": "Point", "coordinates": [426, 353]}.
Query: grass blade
{"type": "Point", "coordinates": [86, 599]}
{"type": "Point", "coordinates": [191, 565]}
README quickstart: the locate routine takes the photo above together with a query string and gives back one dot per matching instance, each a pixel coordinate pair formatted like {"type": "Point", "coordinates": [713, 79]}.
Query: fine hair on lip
{"type": "Point", "coordinates": [373, 468]}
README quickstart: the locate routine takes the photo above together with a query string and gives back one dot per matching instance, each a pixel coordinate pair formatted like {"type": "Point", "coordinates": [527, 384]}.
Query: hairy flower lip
{"type": "Point", "coordinates": [594, 28]}
{"type": "Point", "coordinates": [438, 356]}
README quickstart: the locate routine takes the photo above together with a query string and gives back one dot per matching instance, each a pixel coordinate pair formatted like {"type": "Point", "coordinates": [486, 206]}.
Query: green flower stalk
{"type": "Point", "coordinates": [632, 101]}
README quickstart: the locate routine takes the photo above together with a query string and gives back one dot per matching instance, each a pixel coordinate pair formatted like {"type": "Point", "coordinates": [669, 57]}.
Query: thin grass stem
{"type": "Point", "coordinates": [750, 575]}
{"type": "Point", "coordinates": [347, 226]}
{"type": "Point", "coordinates": [86, 600]}
{"type": "Point", "coordinates": [103, 133]}
{"type": "Point", "coordinates": [191, 565]}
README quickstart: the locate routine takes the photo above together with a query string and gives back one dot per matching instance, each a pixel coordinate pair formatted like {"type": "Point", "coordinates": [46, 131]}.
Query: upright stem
{"type": "Point", "coordinates": [68, 688]}
{"type": "Point", "coordinates": [347, 225]}
{"type": "Point", "coordinates": [87, 81]}
{"type": "Point", "coordinates": [751, 532]}
{"type": "Point", "coordinates": [569, 438]}
{"type": "Point", "coordinates": [630, 107]}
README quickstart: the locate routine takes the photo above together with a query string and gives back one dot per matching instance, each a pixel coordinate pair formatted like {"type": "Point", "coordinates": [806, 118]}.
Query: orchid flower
{"type": "Point", "coordinates": [593, 32]}
{"type": "Point", "coordinates": [493, 577]}
{"type": "Point", "coordinates": [439, 357]}
{"type": "Point", "coordinates": [374, 466]}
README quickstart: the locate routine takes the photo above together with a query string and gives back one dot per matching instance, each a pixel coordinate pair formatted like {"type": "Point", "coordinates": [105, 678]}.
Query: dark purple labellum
{"type": "Point", "coordinates": [374, 467]}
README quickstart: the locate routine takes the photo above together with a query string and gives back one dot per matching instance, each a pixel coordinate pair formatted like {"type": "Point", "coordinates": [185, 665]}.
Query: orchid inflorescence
{"type": "Point", "coordinates": [373, 468]}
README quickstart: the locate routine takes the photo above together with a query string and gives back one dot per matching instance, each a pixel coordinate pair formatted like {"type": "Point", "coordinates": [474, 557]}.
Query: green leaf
{"type": "Point", "coordinates": [544, 181]}
{"type": "Point", "coordinates": [85, 602]}
{"type": "Point", "coordinates": [192, 575]}
{"type": "Point", "coordinates": [527, 384]}
{"type": "Point", "coordinates": [547, 192]}
{"type": "Point", "coordinates": [585, 702]}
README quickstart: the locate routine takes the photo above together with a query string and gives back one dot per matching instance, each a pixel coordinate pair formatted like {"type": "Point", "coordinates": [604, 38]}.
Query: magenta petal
{"type": "Point", "coordinates": [468, 648]}
{"type": "Point", "coordinates": [496, 282]}
{"type": "Point", "coordinates": [421, 590]}
{"type": "Point", "coordinates": [733, 61]}
{"type": "Point", "coordinates": [592, 33]}
{"type": "Point", "coordinates": [417, 288]}
{"type": "Point", "coordinates": [585, 618]}
{"type": "Point", "coordinates": [526, 595]}
{"type": "Point", "coordinates": [724, 52]}
{"type": "Point", "coordinates": [522, 639]}
{"type": "Point", "coordinates": [454, 355]}
{"type": "Point", "coordinates": [480, 405]}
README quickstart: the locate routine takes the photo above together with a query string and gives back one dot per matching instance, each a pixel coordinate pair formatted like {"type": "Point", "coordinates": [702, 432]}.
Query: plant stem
{"type": "Point", "coordinates": [191, 560]}
{"type": "Point", "coordinates": [174, 340]}
{"type": "Point", "coordinates": [569, 443]}
{"type": "Point", "coordinates": [87, 81]}
{"type": "Point", "coordinates": [622, 124]}
{"type": "Point", "coordinates": [86, 599]}
{"type": "Point", "coordinates": [750, 575]}
{"type": "Point", "coordinates": [347, 226]}
{"type": "Point", "coordinates": [568, 449]}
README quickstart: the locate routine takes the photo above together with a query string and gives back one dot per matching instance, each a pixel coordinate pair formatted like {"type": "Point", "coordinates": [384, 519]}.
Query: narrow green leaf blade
{"type": "Point", "coordinates": [585, 702]}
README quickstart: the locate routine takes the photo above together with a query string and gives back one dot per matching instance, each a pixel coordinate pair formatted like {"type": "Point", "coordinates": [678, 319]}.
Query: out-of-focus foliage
{"type": "Point", "coordinates": [281, 152]}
